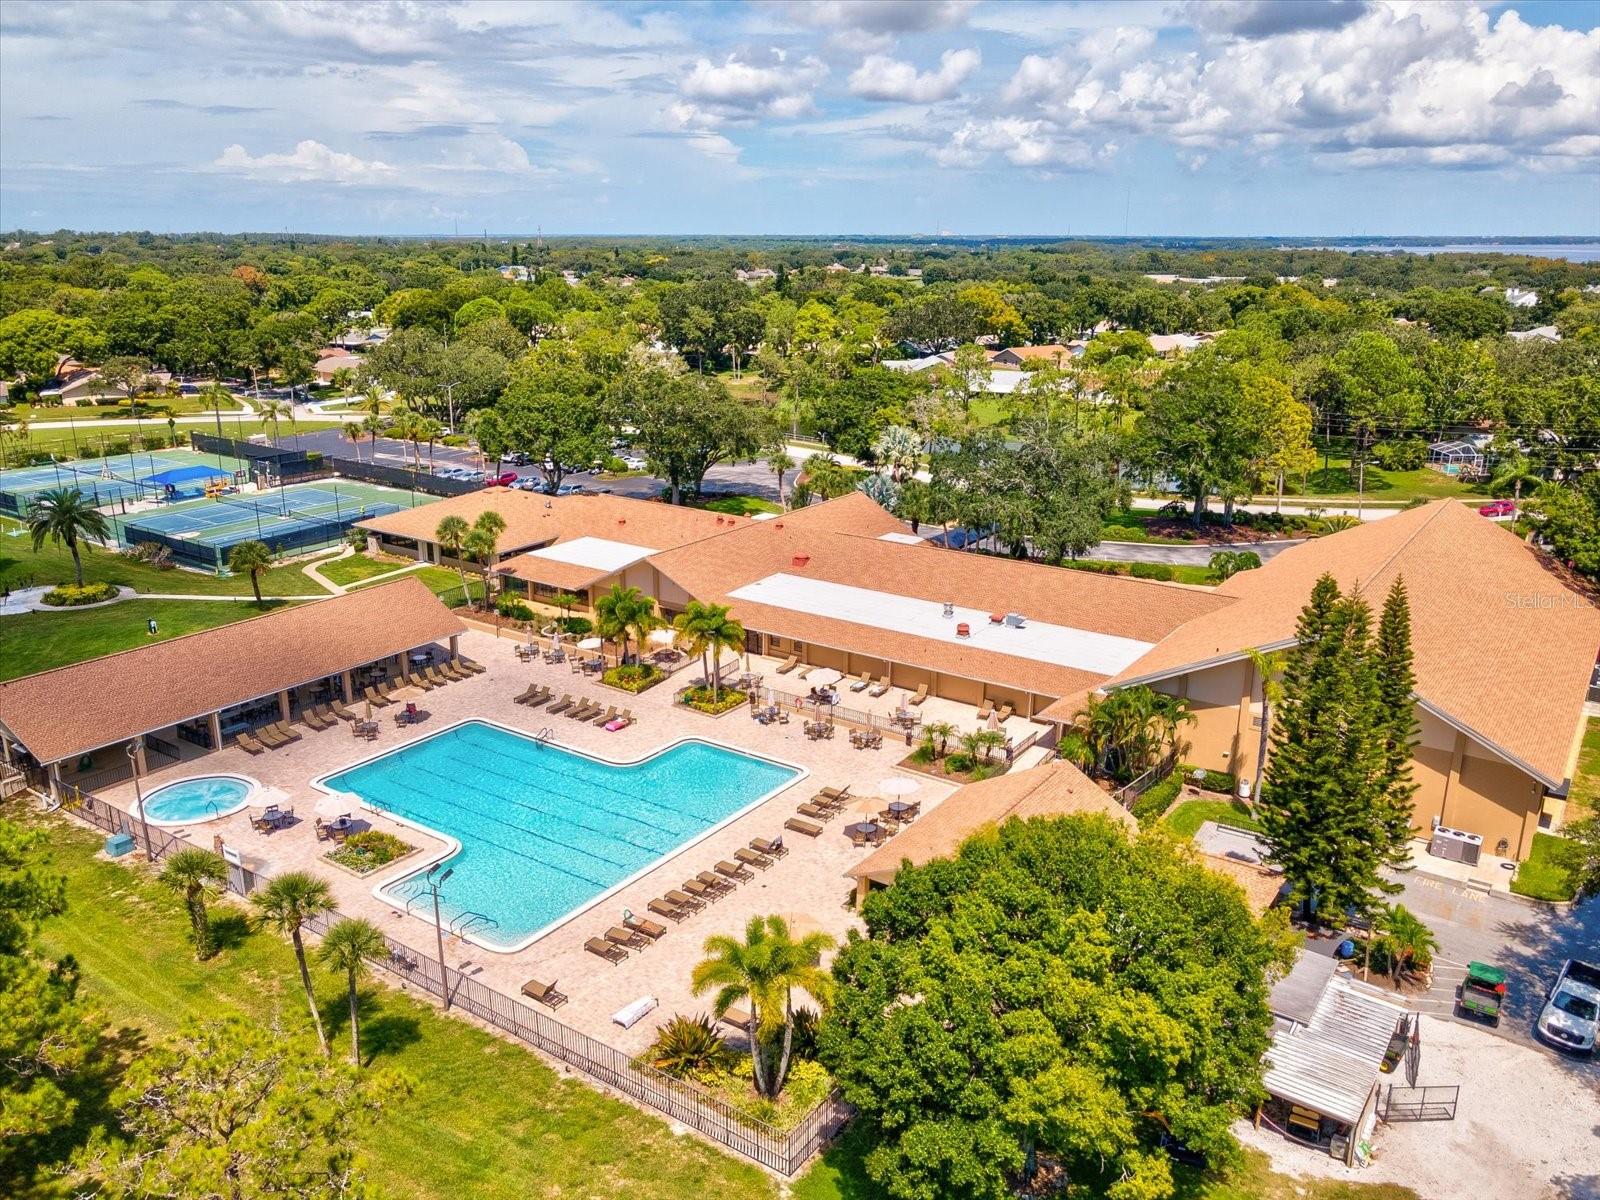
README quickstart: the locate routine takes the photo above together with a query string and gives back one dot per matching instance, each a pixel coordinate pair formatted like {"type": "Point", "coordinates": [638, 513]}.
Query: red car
{"type": "Point", "coordinates": [1498, 508]}
{"type": "Point", "coordinates": [504, 479]}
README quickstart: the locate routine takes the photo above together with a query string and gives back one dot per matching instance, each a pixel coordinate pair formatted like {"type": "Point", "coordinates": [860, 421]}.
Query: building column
{"type": "Point", "coordinates": [455, 646]}
{"type": "Point", "coordinates": [216, 730]}
{"type": "Point", "coordinates": [402, 664]}
{"type": "Point", "coordinates": [5, 749]}
{"type": "Point", "coordinates": [1457, 753]}
{"type": "Point", "coordinates": [139, 759]}
{"type": "Point", "coordinates": [348, 683]}
{"type": "Point", "coordinates": [55, 782]}
{"type": "Point", "coordinates": [283, 706]}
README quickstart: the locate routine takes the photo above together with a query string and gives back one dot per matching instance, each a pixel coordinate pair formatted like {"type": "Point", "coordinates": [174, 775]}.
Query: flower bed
{"type": "Point", "coordinates": [701, 699]}
{"type": "Point", "coordinates": [957, 766]}
{"type": "Point", "coordinates": [368, 850]}
{"type": "Point", "coordinates": [634, 677]}
{"type": "Point", "coordinates": [71, 596]}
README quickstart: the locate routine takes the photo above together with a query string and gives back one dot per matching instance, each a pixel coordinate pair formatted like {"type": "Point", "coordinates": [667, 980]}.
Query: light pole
{"type": "Point", "coordinates": [438, 929]}
{"type": "Point", "coordinates": [134, 749]}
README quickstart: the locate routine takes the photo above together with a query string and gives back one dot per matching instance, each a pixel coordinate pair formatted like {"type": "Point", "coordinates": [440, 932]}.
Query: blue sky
{"type": "Point", "coordinates": [1332, 117]}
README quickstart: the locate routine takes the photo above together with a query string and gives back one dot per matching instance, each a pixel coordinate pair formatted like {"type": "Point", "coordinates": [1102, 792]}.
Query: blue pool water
{"type": "Point", "coordinates": [543, 830]}
{"type": "Point", "coordinates": [197, 799]}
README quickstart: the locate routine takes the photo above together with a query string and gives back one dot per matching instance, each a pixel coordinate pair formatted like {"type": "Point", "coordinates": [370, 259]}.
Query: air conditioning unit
{"type": "Point", "coordinates": [1456, 845]}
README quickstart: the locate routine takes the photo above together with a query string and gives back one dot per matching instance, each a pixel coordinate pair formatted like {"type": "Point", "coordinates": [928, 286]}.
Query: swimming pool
{"type": "Point", "coordinates": [202, 798]}
{"type": "Point", "coordinates": [543, 831]}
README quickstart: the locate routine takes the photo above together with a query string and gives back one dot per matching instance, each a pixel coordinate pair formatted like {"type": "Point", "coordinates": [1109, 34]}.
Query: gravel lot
{"type": "Point", "coordinates": [1526, 1128]}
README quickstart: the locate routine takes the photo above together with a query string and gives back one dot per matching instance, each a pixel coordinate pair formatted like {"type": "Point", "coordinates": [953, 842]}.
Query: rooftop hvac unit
{"type": "Point", "coordinates": [1455, 845]}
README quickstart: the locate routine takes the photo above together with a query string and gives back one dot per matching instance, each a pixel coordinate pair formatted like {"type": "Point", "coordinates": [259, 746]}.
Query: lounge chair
{"type": "Point", "coordinates": [823, 800]}
{"type": "Point", "coordinates": [1005, 713]}
{"type": "Point", "coordinates": [527, 694]}
{"type": "Point", "coordinates": [734, 871]}
{"type": "Point", "coordinates": [684, 900]}
{"type": "Point", "coordinates": [451, 672]}
{"type": "Point", "coordinates": [627, 716]}
{"type": "Point", "coordinates": [604, 949]}
{"type": "Point", "coordinates": [375, 697]}
{"type": "Point", "coordinates": [751, 859]}
{"type": "Point", "coordinates": [650, 929]}
{"type": "Point", "coordinates": [836, 794]}
{"type": "Point", "coordinates": [985, 709]}
{"type": "Point", "coordinates": [309, 717]}
{"type": "Point", "coordinates": [271, 738]}
{"type": "Point", "coordinates": [585, 707]}
{"type": "Point", "coordinates": [773, 849]}
{"type": "Point", "coordinates": [880, 687]}
{"type": "Point", "coordinates": [702, 891]}
{"type": "Point", "coordinates": [247, 743]}
{"type": "Point", "coordinates": [859, 683]}
{"type": "Point", "coordinates": [809, 828]}
{"type": "Point", "coordinates": [922, 694]}
{"type": "Point", "coordinates": [543, 697]}
{"type": "Point", "coordinates": [418, 679]}
{"type": "Point", "coordinates": [471, 666]}
{"type": "Point", "coordinates": [671, 912]}
{"type": "Point", "coordinates": [561, 705]}
{"type": "Point", "coordinates": [284, 730]}
{"type": "Point", "coordinates": [788, 664]}
{"type": "Point", "coordinates": [816, 813]}
{"type": "Point", "coordinates": [543, 993]}
{"type": "Point", "coordinates": [619, 935]}
{"type": "Point", "coordinates": [338, 709]}
{"type": "Point", "coordinates": [805, 670]}
{"type": "Point", "coordinates": [716, 883]}
{"type": "Point", "coordinates": [738, 1018]}
{"type": "Point", "coordinates": [438, 677]}
{"type": "Point", "coordinates": [610, 716]}
{"type": "Point", "coordinates": [388, 687]}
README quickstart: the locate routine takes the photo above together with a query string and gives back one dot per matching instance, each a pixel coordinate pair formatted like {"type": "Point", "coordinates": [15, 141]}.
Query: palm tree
{"type": "Point", "coordinates": [193, 872]}
{"type": "Point", "coordinates": [272, 411]}
{"type": "Point", "coordinates": [898, 448]}
{"type": "Point", "coordinates": [65, 516]}
{"type": "Point", "coordinates": [372, 427]}
{"type": "Point", "coordinates": [936, 737]}
{"type": "Point", "coordinates": [1269, 666]}
{"type": "Point", "coordinates": [1410, 943]}
{"type": "Point", "coordinates": [452, 535]}
{"type": "Point", "coordinates": [625, 610]}
{"type": "Point", "coordinates": [373, 401]}
{"type": "Point", "coordinates": [764, 969]}
{"type": "Point", "coordinates": [353, 433]}
{"type": "Point", "coordinates": [780, 462]}
{"type": "Point", "coordinates": [483, 543]}
{"type": "Point", "coordinates": [251, 558]}
{"type": "Point", "coordinates": [287, 903]}
{"type": "Point", "coordinates": [347, 947]}
{"type": "Point", "coordinates": [708, 631]}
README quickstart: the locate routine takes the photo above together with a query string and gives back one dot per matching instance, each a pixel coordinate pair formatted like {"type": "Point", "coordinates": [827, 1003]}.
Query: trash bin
{"type": "Point", "coordinates": [119, 844]}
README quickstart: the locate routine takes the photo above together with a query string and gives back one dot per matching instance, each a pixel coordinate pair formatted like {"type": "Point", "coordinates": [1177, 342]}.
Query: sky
{"type": "Point", "coordinates": [901, 117]}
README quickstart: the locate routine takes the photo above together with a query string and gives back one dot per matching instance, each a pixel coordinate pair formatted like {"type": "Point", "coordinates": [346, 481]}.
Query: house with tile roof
{"type": "Point", "coordinates": [1504, 649]}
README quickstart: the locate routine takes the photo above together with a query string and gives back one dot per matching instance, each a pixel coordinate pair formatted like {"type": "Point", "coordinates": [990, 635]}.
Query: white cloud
{"type": "Point", "coordinates": [1022, 143]}
{"type": "Point", "coordinates": [880, 77]}
{"type": "Point", "coordinates": [881, 16]}
{"type": "Point", "coordinates": [1264, 18]}
{"type": "Point", "coordinates": [311, 162]}
{"type": "Point", "coordinates": [736, 88]}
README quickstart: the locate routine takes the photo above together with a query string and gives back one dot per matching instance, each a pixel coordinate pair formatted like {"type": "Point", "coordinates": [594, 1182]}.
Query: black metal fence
{"type": "Point", "coordinates": [401, 477]}
{"type": "Point", "coordinates": [676, 1099]}
{"type": "Point", "coordinates": [1436, 1103]}
{"type": "Point", "coordinates": [275, 459]}
{"type": "Point", "coordinates": [1130, 792]}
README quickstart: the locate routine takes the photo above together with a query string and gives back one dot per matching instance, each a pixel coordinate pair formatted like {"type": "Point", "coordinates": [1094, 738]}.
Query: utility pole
{"type": "Point", "coordinates": [438, 929]}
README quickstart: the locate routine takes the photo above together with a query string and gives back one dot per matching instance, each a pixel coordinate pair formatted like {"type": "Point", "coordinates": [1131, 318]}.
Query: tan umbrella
{"type": "Point", "coordinates": [409, 692]}
{"type": "Point", "coordinates": [869, 806]}
{"type": "Point", "coordinates": [663, 637]}
{"type": "Point", "coordinates": [800, 923]}
{"type": "Point", "coordinates": [369, 710]}
{"type": "Point", "coordinates": [994, 721]}
{"type": "Point", "coordinates": [897, 785]}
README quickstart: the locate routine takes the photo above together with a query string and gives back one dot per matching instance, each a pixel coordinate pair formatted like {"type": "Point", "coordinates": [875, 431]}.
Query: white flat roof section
{"type": "Point", "coordinates": [905, 539]}
{"type": "Point", "coordinates": [1081, 649]}
{"type": "Point", "coordinates": [601, 554]}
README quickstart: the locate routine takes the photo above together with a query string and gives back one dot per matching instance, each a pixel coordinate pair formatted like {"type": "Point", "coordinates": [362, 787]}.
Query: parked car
{"type": "Point", "coordinates": [1571, 1013]}
{"type": "Point", "coordinates": [1498, 508]}
{"type": "Point", "coordinates": [529, 483]}
{"type": "Point", "coordinates": [634, 463]}
{"type": "Point", "coordinates": [504, 479]}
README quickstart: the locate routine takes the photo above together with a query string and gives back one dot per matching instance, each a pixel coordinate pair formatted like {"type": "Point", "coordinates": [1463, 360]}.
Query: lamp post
{"type": "Point", "coordinates": [438, 929]}
{"type": "Point", "coordinates": [133, 750]}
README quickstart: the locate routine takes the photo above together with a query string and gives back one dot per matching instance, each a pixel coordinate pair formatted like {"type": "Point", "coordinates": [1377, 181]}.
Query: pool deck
{"type": "Point", "coordinates": [810, 880]}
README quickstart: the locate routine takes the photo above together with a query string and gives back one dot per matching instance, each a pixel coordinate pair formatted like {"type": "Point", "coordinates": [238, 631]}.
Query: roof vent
{"type": "Point", "coordinates": [949, 609]}
{"type": "Point", "coordinates": [1016, 620]}
{"type": "Point", "coordinates": [963, 630]}
{"type": "Point", "coordinates": [622, 520]}
{"type": "Point", "coordinates": [801, 560]}
{"type": "Point", "coordinates": [777, 524]}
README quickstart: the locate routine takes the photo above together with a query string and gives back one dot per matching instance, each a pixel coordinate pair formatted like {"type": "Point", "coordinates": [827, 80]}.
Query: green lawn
{"type": "Point", "coordinates": [85, 441]}
{"type": "Point", "coordinates": [1336, 480]}
{"type": "Point", "coordinates": [1181, 572]}
{"type": "Point", "coordinates": [443, 583]}
{"type": "Point", "coordinates": [1550, 872]}
{"type": "Point", "coordinates": [358, 567]}
{"type": "Point", "coordinates": [38, 641]}
{"type": "Point", "coordinates": [741, 506]}
{"type": "Point", "coordinates": [486, 1120]}
{"type": "Point", "coordinates": [1584, 797]}
{"type": "Point", "coordinates": [22, 566]}
{"type": "Point", "coordinates": [1186, 819]}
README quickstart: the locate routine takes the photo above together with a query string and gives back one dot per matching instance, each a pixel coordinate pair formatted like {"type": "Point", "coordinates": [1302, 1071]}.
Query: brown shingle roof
{"type": "Point", "coordinates": [1055, 789]}
{"type": "Point", "coordinates": [1260, 884]}
{"type": "Point", "coordinates": [71, 710]}
{"type": "Point", "coordinates": [1504, 648]}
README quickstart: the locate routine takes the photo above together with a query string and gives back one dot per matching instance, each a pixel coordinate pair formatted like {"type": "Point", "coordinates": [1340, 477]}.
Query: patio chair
{"type": "Point", "coordinates": [671, 912]}
{"type": "Point", "coordinates": [684, 900]}
{"type": "Point", "coordinates": [809, 828]}
{"type": "Point", "coordinates": [751, 859]}
{"type": "Point", "coordinates": [880, 688]}
{"type": "Point", "coordinates": [324, 834]}
{"type": "Point", "coordinates": [247, 743]}
{"type": "Point", "coordinates": [651, 929]}
{"type": "Point", "coordinates": [922, 694]}
{"type": "Point", "coordinates": [543, 993]}
{"type": "Point", "coordinates": [734, 871]}
{"type": "Point", "coordinates": [788, 664]}
{"type": "Point", "coordinates": [561, 705]}
{"type": "Point", "coordinates": [985, 709]}
{"type": "Point", "coordinates": [610, 716]}
{"type": "Point", "coordinates": [816, 813]}
{"type": "Point", "coordinates": [261, 823]}
{"type": "Point", "coordinates": [604, 949]}
{"type": "Point", "coordinates": [858, 838]}
{"type": "Point", "coordinates": [619, 935]}
{"type": "Point", "coordinates": [338, 709]}
{"type": "Point", "coordinates": [773, 849]}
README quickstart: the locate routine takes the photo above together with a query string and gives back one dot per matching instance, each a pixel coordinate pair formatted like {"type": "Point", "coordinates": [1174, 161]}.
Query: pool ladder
{"type": "Point", "coordinates": [544, 735]}
{"type": "Point", "coordinates": [468, 920]}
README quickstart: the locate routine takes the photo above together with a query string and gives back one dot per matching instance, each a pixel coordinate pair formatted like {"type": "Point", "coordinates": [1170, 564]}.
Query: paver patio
{"type": "Point", "coordinates": [810, 880]}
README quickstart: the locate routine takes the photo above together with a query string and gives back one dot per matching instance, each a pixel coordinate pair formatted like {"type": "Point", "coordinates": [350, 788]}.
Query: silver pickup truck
{"type": "Point", "coordinates": [1572, 1009]}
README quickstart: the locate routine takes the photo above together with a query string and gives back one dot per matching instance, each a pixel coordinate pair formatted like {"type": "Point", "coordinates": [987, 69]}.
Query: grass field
{"type": "Point", "coordinates": [40, 641]}
{"type": "Point", "coordinates": [21, 566]}
{"type": "Point", "coordinates": [486, 1120]}
{"type": "Point", "coordinates": [443, 583]}
{"type": "Point", "coordinates": [359, 567]}
{"type": "Point", "coordinates": [1187, 818]}
{"type": "Point", "coordinates": [1336, 480]}
{"type": "Point", "coordinates": [85, 441]}
{"type": "Point", "coordinates": [1584, 798]}
{"type": "Point", "coordinates": [741, 506]}
{"type": "Point", "coordinates": [1551, 870]}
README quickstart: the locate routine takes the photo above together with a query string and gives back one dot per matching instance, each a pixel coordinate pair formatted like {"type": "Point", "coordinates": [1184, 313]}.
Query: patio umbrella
{"type": "Point", "coordinates": [369, 710]}
{"type": "Point", "coordinates": [663, 637]}
{"type": "Point", "coordinates": [590, 643]}
{"type": "Point", "coordinates": [800, 923]}
{"type": "Point", "coordinates": [993, 721]}
{"type": "Point", "coordinates": [867, 806]}
{"type": "Point", "coordinates": [897, 785]}
{"type": "Point", "coordinates": [409, 692]}
{"type": "Point", "coordinates": [336, 804]}
{"type": "Point", "coordinates": [270, 796]}
{"type": "Point", "coordinates": [823, 677]}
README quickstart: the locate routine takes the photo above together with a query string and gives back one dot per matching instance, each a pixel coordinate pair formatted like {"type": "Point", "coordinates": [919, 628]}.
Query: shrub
{"type": "Point", "coordinates": [702, 699]}
{"type": "Point", "coordinates": [1123, 533]}
{"type": "Point", "coordinates": [689, 1048]}
{"type": "Point", "coordinates": [313, 457]}
{"type": "Point", "coordinates": [1143, 570]}
{"type": "Point", "coordinates": [513, 609]}
{"type": "Point", "coordinates": [454, 439]}
{"type": "Point", "coordinates": [1405, 454]}
{"type": "Point", "coordinates": [69, 595]}
{"type": "Point", "coordinates": [1152, 806]}
{"type": "Point", "coordinates": [369, 850]}
{"type": "Point", "coordinates": [112, 449]}
{"type": "Point", "coordinates": [959, 763]}
{"type": "Point", "coordinates": [634, 677]}
{"type": "Point", "coordinates": [153, 441]}
{"type": "Point", "coordinates": [1210, 781]}
{"type": "Point", "coordinates": [1337, 523]}
{"type": "Point", "coordinates": [576, 626]}
{"type": "Point", "coordinates": [152, 553]}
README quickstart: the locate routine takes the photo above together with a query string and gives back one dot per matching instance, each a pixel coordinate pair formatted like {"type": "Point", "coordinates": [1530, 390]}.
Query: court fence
{"type": "Point", "coordinates": [782, 1151]}
{"type": "Point", "coordinates": [401, 477]}
{"type": "Point", "coordinates": [275, 460]}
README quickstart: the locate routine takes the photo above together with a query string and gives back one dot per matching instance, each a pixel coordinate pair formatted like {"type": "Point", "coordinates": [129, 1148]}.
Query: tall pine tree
{"type": "Point", "coordinates": [1337, 804]}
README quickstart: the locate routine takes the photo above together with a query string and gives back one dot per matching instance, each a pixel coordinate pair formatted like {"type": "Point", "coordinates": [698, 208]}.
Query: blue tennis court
{"type": "Point", "coordinates": [111, 480]}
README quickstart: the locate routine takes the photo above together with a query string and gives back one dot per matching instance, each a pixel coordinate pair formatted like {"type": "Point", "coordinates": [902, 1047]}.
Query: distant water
{"type": "Point", "coordinates": [1571, 251]}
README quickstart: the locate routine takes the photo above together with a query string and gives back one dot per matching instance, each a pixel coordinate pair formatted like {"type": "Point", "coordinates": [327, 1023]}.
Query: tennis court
{"type": "Point", "coordinates": [298, 517]}
{"type": "Point", "coordinates": [118, 477]}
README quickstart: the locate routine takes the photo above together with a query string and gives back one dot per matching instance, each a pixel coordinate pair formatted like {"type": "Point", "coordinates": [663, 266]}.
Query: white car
{"type": "Point", "coordinates": [633, 463]}
{"type": "Point", "coordinates": [1572, 1012]}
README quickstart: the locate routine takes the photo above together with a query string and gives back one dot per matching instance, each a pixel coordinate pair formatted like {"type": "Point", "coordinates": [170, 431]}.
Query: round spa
{"type": "Point", "coordinates": [201, 798]}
